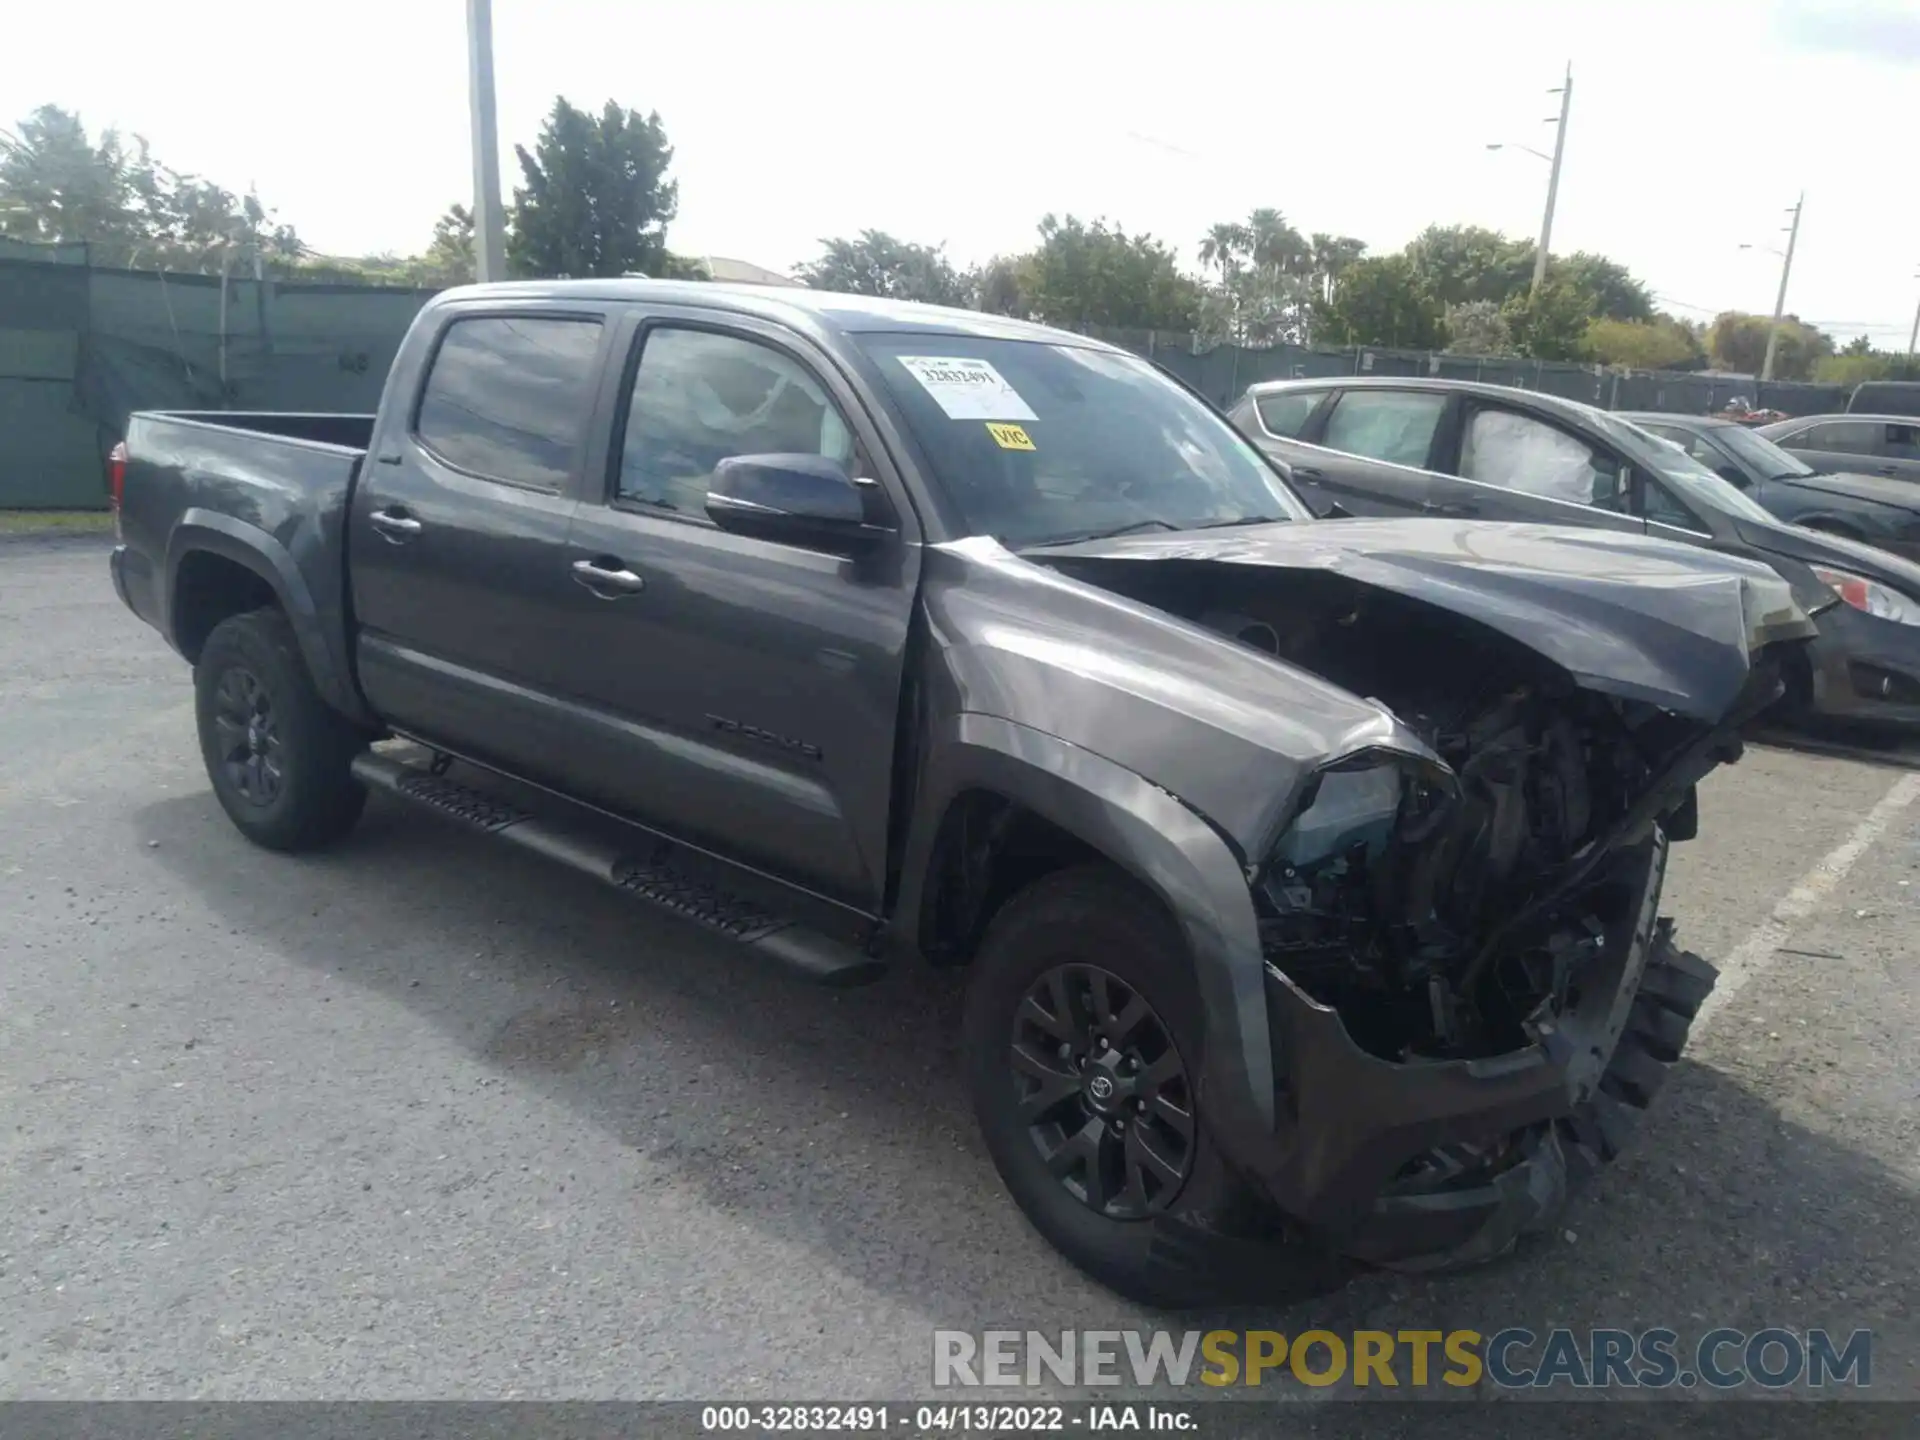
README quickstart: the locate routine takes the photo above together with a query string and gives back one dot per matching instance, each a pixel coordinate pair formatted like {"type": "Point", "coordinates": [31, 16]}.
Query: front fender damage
{"type": "Point", "coordinates": [1457, 899]}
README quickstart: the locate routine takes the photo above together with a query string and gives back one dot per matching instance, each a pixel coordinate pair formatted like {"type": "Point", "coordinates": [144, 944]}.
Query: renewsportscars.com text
{"type": "Point", "coordinates": [1512, 1358]}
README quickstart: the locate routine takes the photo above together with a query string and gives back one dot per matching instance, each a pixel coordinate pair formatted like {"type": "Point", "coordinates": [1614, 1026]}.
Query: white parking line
{"type": "Point", "coordinates": [1753, 955]}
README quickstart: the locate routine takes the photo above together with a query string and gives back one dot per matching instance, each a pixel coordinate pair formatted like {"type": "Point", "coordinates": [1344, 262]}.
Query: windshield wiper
{"type": "Point", "coordinates": [1244, 520]}
{"type": "Point", "coordinates": [1131, 528]}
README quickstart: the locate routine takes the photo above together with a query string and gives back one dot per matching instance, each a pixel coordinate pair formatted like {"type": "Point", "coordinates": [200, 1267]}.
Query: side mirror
{"type": "Point", "coordinates": [1336, 511]}
{"type": "Point", "coordinates": [796, 499]}
{"type": "Point", "coordinates": [1733, 475]}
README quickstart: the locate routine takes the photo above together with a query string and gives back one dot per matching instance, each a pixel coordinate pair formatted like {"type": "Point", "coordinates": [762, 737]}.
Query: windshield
{"type": "Point", "coordinates": [1691, 482]}
{"type": "Point", "coordinates": [1766, 458]}
{"type": "Point", "coordinates": [1039, 443]}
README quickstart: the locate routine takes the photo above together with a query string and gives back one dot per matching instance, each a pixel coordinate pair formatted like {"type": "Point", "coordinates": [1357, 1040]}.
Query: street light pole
{"type": "Point", "coordinates": [1553, 181]}
{"type": "Point", "coordinates": [1780, 300]}
{"type": "Point", "coordinates": [1913, 335]}
{"type": "Point", "coordinates": [489, 247]}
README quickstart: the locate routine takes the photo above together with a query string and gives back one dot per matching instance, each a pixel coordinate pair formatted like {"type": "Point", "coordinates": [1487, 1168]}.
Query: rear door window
{"type": "Point", "coordinates": [1519, 452]}
{"type": "Point", "coordinates": [507, 397]}
{"type": "Point", "coordinates": [1843, 437]}
{"type": "Point", "coordinates": [1286, 414]}
{"type": "Point", "coordinates": [1392, 425]}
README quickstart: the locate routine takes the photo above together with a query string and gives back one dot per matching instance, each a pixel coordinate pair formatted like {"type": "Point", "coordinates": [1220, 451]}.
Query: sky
{"type": "Point", "coordinates": [1695, 124]}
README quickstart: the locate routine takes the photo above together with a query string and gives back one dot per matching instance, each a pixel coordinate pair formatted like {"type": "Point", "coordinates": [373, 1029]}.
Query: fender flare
{"type": "Point", "coordinates": [202, 531]}
{"type": "Point", "coordinates": [1154, 838]}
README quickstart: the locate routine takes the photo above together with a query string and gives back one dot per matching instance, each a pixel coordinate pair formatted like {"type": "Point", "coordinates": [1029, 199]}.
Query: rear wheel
{"type": "Point", "coordinates": [1082, 1043]}
{"type": "Point", "coordinates": [278, 755]}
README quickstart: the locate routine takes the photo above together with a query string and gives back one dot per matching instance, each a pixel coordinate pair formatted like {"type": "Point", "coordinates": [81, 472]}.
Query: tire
{"type": "Point", "coordinates": [1673, 987]}
{"type": "Point", "coordinates": [1212, 1236]}
{"type": "Point", "coordinates": [277, 754]}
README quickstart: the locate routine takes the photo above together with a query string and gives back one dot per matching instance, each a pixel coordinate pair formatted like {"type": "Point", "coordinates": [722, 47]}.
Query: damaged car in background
{"type": "Point", "coordinates": [1307, 874]}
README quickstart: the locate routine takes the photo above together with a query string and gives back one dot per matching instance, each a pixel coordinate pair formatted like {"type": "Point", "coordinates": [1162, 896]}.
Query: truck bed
{"type": "Point", "coordinates": [259, 500]}
{"type": "Point", "coordinates": [348, 432]}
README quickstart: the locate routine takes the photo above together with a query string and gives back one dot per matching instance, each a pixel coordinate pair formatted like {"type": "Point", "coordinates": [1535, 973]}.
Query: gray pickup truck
{"type": "Point", "coordinates": [1307, 873]}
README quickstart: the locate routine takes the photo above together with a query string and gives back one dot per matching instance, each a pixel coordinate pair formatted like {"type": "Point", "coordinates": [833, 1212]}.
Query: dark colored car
{"type": "Point", "coordinates": [1871, 508]}
{"type": "Point", "coordinates": [835, 626]}
{"type": "Point", "coordinates": [1457, 448]}
{"type": "Point", "coordinates": [1886, 445]}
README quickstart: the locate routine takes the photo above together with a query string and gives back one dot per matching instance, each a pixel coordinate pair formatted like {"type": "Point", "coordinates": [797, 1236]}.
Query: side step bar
{"type": "Point", "coordinates": [660, 876]}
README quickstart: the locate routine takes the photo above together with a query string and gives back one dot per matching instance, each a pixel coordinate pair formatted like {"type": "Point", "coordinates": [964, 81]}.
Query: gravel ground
{"type": "Point", "coordinates": [425, 1118]}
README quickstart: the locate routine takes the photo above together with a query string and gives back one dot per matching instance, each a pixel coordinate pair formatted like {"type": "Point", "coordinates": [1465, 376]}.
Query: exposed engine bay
{"type": "Point", "coordinates": [1446, 913]}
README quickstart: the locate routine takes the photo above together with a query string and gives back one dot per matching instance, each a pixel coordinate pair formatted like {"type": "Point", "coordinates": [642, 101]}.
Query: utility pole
{"type": "Point", "coordinates": [489, 244]}
{"type": "Point", "coordinates": [1780, 300]}
{"type": "Point", "coordinates": [1913, 335]}
{"type": "Point", "coordinates": [1553, 181]}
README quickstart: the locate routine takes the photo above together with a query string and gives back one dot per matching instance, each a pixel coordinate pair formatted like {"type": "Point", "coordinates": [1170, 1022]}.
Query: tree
{"type": "Point", "coordinates": [1081, 275]}
{"type": "Point", "coordinates": [1860, 362]}
{"type": "Point", "coordinates": [1477, 327]}
{"type": "Point", "coordinates": [1002, 285]}
{"type": "Point", "coordinates": [1382, 300]}
{"type": "Point", "coordinates": [877, 264]}
{"type": "Point", "coordinates": [57, 184]}
{"type": "Point", "coordinates": [1662, 343]}
{"type": "Point", "coordinates": [1611, 291]}
{"type": "Point", "coordinates": [1738, 341]}
{"type": "Point", "coordinates": [1550, 324]}
{"type": "Point", "coordinates": [597, 200]}
{"type": "Point", "coordinates": [1458, 264]}
{"type": "Point", "coordinates": [449, 258]}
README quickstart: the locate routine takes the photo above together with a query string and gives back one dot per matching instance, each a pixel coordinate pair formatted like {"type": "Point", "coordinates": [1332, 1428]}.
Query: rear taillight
{"type": "Point", "coordinates": [116, 473]}
{"type": "Point", "coordinates": [116, 481]}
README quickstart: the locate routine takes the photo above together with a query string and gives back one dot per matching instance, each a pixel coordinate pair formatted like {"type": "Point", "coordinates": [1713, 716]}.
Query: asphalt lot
{"type": "Point", "coordinates": [424, 1118]}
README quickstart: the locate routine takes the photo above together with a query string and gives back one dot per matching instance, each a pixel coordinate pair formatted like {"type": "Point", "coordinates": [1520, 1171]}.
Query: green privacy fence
{"type": "Point", "coordinates": [81, 347]}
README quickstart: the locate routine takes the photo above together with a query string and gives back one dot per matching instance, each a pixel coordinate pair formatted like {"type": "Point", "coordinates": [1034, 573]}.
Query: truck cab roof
{"type": "Point", "coordinates": [806, 309]}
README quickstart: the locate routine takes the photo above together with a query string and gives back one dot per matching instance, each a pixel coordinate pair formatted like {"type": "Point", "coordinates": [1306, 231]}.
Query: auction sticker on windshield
{"type": "Point", "coordinates": [967, 389]}
{"type": "Point", "coordinates": [1010, 437]}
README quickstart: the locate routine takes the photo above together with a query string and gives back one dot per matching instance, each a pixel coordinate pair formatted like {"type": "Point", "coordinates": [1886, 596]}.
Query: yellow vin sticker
{"type": "Point", "coordinates": [1010, 437]}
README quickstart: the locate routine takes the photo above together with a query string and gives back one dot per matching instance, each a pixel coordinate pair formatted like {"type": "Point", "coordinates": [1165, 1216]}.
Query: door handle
{"type": "Point", "coordinates": [1462, 512]}
{"type": "Point", "coordinates": [1308, 472]}
{"type": "Point", "coordinates": [395, 525]}
{"type": "Point", "coordinates": [607, 578]}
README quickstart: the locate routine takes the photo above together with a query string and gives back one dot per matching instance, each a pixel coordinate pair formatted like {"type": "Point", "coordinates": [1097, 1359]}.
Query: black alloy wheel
{"type": "Point", "coordinates": [247, 732]}
{"type": "Point", "coordinates": [1103, 1092]}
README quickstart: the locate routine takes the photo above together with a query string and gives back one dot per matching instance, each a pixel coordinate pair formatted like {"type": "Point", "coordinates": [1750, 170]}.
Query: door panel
{"type": "Point", "coordinates": [1371, 449]}
{"type": "Point", "coordinates": [461, 514]}
{"type": "Point", "coordinates": [745, 695]}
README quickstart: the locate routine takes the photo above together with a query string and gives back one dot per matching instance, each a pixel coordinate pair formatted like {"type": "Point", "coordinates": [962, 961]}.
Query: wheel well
{"type": "Point", "coordinates": [208, 589]}
{"type": "Point", "coordinates": [987, 850]}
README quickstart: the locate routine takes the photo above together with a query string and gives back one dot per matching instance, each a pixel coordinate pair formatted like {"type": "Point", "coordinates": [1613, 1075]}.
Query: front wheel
{"type": "Point", "coordinates": [278, 755]}
{"type": "Point", "coordinates": [1082, 1044]}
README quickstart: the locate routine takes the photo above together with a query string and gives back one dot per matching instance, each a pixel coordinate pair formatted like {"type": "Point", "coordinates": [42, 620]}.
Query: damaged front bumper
{"type": "Point", "coordinates": [1441, 1163]}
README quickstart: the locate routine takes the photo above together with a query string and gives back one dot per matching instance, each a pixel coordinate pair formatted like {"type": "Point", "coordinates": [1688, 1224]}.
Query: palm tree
{"type": "Point", "coordinates": [1225, 245]}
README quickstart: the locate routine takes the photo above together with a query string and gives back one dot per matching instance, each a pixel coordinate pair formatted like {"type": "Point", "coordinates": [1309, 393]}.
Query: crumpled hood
{"type": "Point", "coordinates": [1880, 489]}
{"type": "Point", "coordinates": [1626, 615]}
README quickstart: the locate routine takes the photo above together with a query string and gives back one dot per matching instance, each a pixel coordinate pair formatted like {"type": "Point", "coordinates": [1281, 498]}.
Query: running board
{"type": "Point", "coordinates": [660, 875]}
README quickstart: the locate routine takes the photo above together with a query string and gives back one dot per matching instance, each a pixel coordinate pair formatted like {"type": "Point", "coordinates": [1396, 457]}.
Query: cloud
{"type": "Point", "coordinates": [1886, 30]}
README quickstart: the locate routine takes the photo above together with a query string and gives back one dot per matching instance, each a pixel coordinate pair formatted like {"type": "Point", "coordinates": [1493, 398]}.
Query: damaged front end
{"type": "Point", "coordinates": [1466, 977]}
{"type": "Point", "coordinates": [1454, 944]}
{"type": "Point", "coordinates": [1447, 761]}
